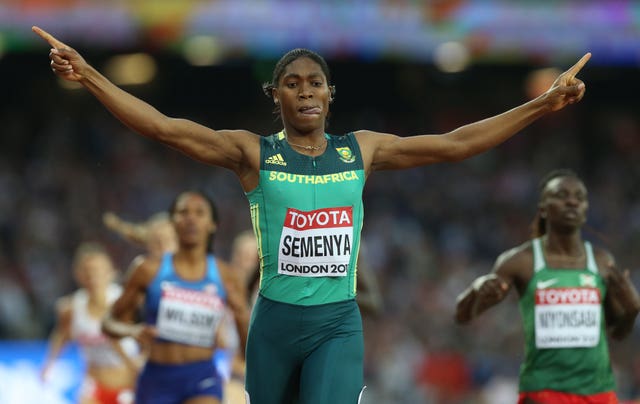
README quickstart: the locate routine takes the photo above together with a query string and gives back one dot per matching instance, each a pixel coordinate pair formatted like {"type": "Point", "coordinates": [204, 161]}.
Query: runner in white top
{"type": "Point", "coordinates": [111, 366]}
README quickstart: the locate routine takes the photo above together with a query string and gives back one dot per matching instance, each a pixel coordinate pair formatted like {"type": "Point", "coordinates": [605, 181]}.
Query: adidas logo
{"type": "Point", "coordinates": [276, 159]}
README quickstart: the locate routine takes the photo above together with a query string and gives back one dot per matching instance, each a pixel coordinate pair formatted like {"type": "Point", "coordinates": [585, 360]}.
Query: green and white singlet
{"type": "Point", "coordinates": [566, 346]}
{"type": "Point", "coordinates": [307, 215]}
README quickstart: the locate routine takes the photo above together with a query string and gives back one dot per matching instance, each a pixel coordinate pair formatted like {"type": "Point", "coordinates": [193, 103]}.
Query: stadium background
{"type": "Point", "coordinates": [403, 67]}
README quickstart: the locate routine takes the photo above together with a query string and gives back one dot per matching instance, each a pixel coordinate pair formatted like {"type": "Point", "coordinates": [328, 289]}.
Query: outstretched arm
{"type": "Point", "coordinates": [132, 232]}
{"type": "Point", "coordinates": [387, 151]}
{"type": "Point", "coordinates": [236, 150]}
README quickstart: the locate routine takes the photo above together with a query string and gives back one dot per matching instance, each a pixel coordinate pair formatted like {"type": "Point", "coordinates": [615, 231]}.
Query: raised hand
{"type": "Point", "coordinates": [65, 61]}
{"type": "Point", "coordinates": [567, 89]}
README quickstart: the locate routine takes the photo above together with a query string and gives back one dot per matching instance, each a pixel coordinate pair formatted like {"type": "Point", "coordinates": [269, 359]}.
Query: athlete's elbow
{"type": "Point", "coordinates": [163, 129]}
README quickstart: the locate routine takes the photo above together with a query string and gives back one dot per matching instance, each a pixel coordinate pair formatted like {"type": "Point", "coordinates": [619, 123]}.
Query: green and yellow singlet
{"type": "Point", "coordinates": [307, 216]}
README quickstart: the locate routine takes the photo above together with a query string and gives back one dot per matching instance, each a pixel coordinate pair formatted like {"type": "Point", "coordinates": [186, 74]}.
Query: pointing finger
{"type": "Point", "coordinates": [573, 70]}
{"type": "Point", "coordinates": [48, 37]}
{"type": "Point", "coordinates": [55, 57]}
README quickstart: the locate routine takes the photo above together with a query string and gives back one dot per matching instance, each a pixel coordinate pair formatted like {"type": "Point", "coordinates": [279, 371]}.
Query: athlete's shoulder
{"type": "Point", "coordinates": [369, 141]}
{"type": "Point", "coordinates": [274, 140]}
{"type": "Point", "coordinates": [143, 269]}
{"type": "Point", "coordinates": [64, 304]}
{"type": "Point", "coordinates": [365, 134]}
{"type": "Point", "coordinates": [516, 257]}
{"type": "Point", "coordinates": [341, 136]}
{"type": "Point", "coordinates": [516, 265]}
{"type": "Point", "coordinates": [344, 139]}
{"type": "Point", "coordinates": [216, 265]}
{"type": "Point", "coordinates": [603, 257]}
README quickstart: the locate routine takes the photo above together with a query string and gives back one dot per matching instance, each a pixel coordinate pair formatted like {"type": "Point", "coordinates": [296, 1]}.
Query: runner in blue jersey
{"type": "Point", "coordinates": [305, 186]}
{"type": "Point", "coordinates": [183, 297]}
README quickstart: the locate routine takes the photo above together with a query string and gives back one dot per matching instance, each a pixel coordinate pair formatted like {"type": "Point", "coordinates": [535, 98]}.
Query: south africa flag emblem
{"type": "Point", "coordinates": [346, 154]}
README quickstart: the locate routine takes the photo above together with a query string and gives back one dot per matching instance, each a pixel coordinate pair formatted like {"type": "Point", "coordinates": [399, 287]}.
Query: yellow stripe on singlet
{"type": "Point", "coordinates": [255, 221]}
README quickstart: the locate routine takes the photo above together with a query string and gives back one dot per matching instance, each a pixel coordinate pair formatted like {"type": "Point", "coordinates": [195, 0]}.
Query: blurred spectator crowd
{"type": "Point", "coordinates": [428, 232]}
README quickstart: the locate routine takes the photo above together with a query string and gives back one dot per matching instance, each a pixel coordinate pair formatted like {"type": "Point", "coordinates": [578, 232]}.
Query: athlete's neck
{"type": "Point", "coordinates": [310, 148]}
{"type": "Point", "coordinates": [570, 245]}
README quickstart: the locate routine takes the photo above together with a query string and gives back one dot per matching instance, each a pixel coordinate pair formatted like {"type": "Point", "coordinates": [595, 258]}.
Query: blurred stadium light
{"type": "Point", "coordinates": [492, 30]}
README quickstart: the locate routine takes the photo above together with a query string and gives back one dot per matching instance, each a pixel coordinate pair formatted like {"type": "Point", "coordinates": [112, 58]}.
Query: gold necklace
{"type": "Point", "coordinates": [311, 148]}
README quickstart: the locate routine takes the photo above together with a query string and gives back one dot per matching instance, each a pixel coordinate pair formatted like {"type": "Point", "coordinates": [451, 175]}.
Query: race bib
{"type": "Point", "coordinates": [189, 316]}
{"type": "Point", "coordinates": [316, 243]}
{"type": "Point", "coordinates": [567, 317]}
